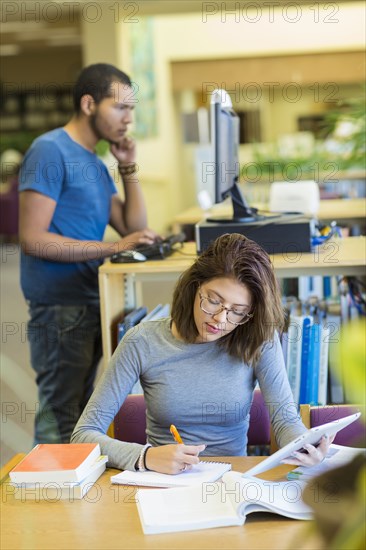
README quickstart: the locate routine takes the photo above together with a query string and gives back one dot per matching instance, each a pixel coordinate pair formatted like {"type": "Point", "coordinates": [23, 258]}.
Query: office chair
{"type": "Point", "coordinates": [353, 435]}
{"type": "Point", "coordinates": [259, 432]}
{"type": "Point", "coordinates": [130, 421]}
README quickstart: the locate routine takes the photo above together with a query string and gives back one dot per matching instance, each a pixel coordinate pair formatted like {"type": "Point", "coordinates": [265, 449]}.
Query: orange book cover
{"type": "Point", "coordinates": [56, 462]}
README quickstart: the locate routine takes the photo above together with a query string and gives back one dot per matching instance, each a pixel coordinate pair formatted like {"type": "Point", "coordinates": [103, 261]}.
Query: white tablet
{"type": "Point", "coordinates": [312, 436]}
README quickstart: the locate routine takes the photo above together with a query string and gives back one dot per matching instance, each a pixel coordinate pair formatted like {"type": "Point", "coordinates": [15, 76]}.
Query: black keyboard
{"type": "Point", "coordinates": [162, 249]}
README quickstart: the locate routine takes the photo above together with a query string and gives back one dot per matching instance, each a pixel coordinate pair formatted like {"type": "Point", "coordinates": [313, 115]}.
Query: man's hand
{"type": "Point", "coordinates": [124, 151]}
{"type": "Point", "coordinates": [172, 459]}
{"type": "Point", "coordinates": [146, 236]}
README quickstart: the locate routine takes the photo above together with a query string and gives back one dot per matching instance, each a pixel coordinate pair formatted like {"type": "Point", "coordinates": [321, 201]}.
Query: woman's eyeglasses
{"type": "Point", "coordinates": [214, 307]}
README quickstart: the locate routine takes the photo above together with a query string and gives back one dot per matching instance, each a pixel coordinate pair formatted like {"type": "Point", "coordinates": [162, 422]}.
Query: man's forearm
{"type": "Point", "coordinates": [58, 248]}
{"type": "Point", "coordinates": [135, 216]}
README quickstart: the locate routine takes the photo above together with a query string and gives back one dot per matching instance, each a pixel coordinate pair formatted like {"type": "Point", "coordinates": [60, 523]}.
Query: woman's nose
{"type": "Point", "coordinates": [221, 315]}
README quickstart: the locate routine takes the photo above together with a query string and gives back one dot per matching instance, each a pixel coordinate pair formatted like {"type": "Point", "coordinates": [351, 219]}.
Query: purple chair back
{"type": "Point", "coordinates": [259, 432]}
{"type": "Point", "coordinates": [353, 435]}
{"type": "Point", "coordinates": [130, 421]}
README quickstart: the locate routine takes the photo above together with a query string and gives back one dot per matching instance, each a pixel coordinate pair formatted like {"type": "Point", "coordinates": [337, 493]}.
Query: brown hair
{"type": "Point", "coordinates": [235, 256]}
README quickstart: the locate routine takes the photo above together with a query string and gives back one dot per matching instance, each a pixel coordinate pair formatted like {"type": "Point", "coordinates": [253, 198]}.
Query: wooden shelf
{"type": "Point", "coordinates": [120, 288]}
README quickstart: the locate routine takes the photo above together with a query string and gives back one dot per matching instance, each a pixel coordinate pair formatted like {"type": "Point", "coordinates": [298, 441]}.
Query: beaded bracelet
{"type": "Point", "coordinates": [141, 466]}
{"type": "Point", "coordinates": [127, 169]}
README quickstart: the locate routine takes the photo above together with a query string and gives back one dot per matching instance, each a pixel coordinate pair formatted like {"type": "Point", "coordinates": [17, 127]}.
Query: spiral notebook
{"type": "Point", "coordinates": [203, 472]}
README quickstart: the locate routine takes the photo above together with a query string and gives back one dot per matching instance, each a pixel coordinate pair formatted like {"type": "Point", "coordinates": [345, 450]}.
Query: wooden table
{"type": "Point", "coordinates": [120, 286]}
{"type": "Point", "coordinates": [341, 210]}
{"type": "Point", "coordinates": [108, 519]}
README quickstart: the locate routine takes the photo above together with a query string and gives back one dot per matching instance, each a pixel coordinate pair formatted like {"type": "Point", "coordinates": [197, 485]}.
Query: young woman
{"type": "Point", "coordinates": [198, 368]}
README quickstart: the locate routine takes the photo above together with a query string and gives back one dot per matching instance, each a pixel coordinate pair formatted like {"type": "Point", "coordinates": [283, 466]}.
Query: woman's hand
{"type": "Point", "coordinates": [172, 459]}
{"type": "Point", "coordinates": [314, 455]}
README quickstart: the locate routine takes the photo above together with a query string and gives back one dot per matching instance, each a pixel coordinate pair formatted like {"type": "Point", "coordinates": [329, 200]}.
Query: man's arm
{"type": "Point", "coordinates": [36, 212]}
{"type": "Point", "coordinates": [129, 215]}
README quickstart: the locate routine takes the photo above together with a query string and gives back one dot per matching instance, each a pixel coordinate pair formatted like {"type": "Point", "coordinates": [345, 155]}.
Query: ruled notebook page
{"type": "Point", "coordinates": [202, 472]}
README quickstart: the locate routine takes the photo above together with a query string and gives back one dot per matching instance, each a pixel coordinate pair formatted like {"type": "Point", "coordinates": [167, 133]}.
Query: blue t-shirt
{"type": "Point", "coordinates": [79, 182]}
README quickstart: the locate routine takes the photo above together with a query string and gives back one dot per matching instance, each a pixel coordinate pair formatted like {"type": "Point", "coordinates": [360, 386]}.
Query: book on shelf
{"type": "Point", "coordinates": [323, 365]}
{"type": "Point", "coordinates": [313, 364]}
{"type": "Point", "coordinates": [327, 286]}
{"type": "Point", "coordinates": [307, 359]}
{"type": "Point", "coordinates": [149, 316]}
{"type": "Point", "coordinates": [311, 356]}
{"type": "Point", "coordinates": [130, 320]}
{"type": "Point", "coordinates": [163, 312]}
{"type": "Point", "coordinates": [337, 456]}
{"type": "Point", "coordinates": [157, 313]}
{"type": "Point", "coordinates": [335, 382]}
{"type": "Point", "coordinates": [203, 472]}
{"type": "Point", "coordinates": [305, 356]}
{"type": "Point", "coordinates": [218, 504]}
{"type": "Point", "coordinates": [311, 287]}
{"type": "Point", "coordinates": [56, 462]}
{"type": "Point", "coordinates": [293, 357]}
{"type": "Point", "coordinates": [55, 491]}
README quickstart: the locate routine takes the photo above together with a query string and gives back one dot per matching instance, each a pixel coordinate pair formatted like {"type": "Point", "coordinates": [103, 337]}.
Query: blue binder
{"type": "Point", "coordinates": [130, 320]}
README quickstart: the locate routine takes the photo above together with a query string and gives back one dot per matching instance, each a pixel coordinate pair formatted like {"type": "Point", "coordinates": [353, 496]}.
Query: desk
{"type": "Point", "coordinates": [341, 210]}
{"type": "Point", "coordinates": [108, 518]}
{"type": "Point", "coordinates": [120, 287]}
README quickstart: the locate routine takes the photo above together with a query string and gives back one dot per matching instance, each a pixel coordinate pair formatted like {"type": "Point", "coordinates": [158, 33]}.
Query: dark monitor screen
{"type": "Point", "coordinates": [225, 125]}
{"type": "Point", "coordinates": [225, 148]}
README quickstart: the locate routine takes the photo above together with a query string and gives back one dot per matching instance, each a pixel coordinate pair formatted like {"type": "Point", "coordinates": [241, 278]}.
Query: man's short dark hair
{"type": "Point", "coordinates": [96, 80]}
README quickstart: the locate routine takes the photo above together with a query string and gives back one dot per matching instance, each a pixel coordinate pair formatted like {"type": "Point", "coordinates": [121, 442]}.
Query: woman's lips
{"type": "Point", "coordinates": [212, 329]}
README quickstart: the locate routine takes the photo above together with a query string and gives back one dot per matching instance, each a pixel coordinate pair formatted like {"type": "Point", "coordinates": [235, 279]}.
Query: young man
{"type": "Point", "coordinates": [67, 198]}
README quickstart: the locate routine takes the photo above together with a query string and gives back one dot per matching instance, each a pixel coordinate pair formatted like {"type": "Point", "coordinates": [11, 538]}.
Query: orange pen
{"type": "Point", "coordinates": [175, 434]}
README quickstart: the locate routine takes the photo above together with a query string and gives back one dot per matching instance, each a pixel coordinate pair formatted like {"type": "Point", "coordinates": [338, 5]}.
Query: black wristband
{"type": "Point", "coordinates": [145, 453]}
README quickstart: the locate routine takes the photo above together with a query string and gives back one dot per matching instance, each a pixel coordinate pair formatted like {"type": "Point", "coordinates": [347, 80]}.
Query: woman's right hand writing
{"type": "Point", "coordinates": [172, 459]}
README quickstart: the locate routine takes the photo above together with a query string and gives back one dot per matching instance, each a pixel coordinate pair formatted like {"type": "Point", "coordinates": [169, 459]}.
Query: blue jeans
{"type": "Point", "coordinates": [66, 346]}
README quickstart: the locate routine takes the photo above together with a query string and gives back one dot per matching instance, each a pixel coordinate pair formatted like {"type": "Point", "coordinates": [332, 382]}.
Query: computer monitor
{"type": "Point", "coordinates": [225, 154]}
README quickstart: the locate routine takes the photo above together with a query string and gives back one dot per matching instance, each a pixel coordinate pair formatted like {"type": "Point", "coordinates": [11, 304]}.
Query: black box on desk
{"type": "Point", "coordinates": [285, 234]}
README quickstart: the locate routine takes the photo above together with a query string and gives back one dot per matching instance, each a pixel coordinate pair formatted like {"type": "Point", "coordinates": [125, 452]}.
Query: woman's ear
{"type": "Point", "coordinates": [87, 104]}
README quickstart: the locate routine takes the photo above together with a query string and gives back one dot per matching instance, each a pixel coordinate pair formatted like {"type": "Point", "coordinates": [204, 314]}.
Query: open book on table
{"type": "Point", "coordinates": [218, 504]}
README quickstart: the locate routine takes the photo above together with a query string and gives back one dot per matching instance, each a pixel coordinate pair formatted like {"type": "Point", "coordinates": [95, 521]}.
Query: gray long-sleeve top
{"type": "Point", "coordinates": [201, 389]}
